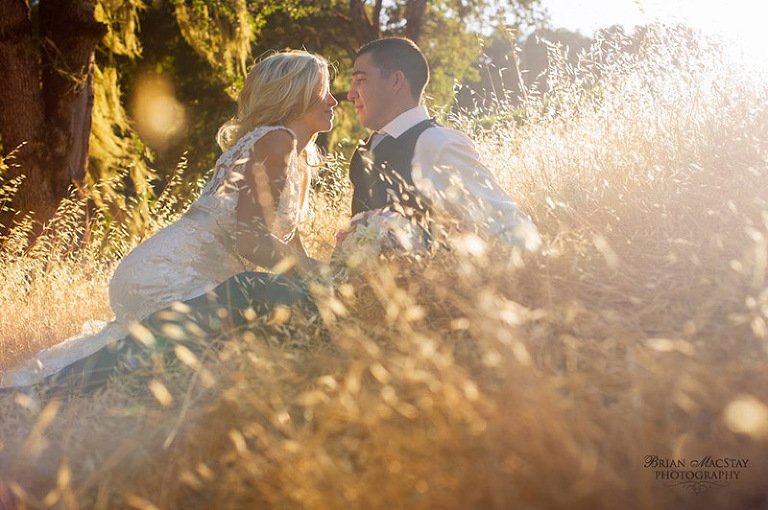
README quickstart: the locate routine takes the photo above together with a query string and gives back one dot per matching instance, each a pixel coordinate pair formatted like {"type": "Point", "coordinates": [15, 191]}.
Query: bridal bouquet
{"type": "Point", "coordinates": [373, 233]}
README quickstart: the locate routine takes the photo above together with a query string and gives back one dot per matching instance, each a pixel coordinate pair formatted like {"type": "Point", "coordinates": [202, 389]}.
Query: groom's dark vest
{"type": "Point", "coordinates": [382, 177]}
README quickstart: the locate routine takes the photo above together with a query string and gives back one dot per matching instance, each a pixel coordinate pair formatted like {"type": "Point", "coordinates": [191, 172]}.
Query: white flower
{"type": "Point", "coordinates": [371, 233]}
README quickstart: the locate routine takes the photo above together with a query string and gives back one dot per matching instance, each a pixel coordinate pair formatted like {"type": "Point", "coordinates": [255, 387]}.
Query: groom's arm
{"type": "Point", "coordinates": [447, 169]}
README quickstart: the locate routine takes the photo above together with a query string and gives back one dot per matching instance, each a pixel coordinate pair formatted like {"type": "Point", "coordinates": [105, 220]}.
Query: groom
{"type": "Point", "coordinates": [412, 164]}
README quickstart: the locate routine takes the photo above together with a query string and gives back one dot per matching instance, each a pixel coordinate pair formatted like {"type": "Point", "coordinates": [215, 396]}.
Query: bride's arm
{"type": "Point", "coordinates": [259, 195]}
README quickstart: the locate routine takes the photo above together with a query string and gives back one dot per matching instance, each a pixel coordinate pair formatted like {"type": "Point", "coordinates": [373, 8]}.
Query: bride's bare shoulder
{"type": "Point", "coordinates": [274, 148]}
{"type": "Point", "coordinates": [276, 142]}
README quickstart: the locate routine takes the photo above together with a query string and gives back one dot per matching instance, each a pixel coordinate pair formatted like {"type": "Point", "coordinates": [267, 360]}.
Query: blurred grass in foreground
{"type": "Point", "coordinates": [473, 379]}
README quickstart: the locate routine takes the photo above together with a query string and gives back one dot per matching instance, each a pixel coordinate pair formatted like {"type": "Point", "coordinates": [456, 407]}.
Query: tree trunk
{"type": "Point", "coordinates": [71, 34]}
{"type": "Point", "coordinates": [414, 18]}
{"type": "Point", "coordinates": [22, 110]}
{"type": "Point", "coordinates": [364, 28]}
{"type": "Point", "coordinates": [46, 98]}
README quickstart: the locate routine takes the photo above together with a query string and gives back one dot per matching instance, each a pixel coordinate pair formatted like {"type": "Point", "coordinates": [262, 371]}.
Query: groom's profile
{"type": "Point", "coordinates": [410, 162]}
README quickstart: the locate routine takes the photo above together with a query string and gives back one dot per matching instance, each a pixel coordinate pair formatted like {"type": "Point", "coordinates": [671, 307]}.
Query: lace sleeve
{"type": "Point", "coordinates": [231, 165]}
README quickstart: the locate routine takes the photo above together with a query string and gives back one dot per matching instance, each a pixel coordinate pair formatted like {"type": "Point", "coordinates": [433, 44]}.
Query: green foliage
{"type": "Point", "coordinates": [202, 94]}
{"type": "Point", "coordinates": [450, 49]}
{"type": "Point", "coordinates": [220, 32]}
{"type": "Point", "coordinates": [116, 152]}
{"type": "Point", "coordinates": [114, 146]}
{"type": "Point", "coordinates": [122, 20]}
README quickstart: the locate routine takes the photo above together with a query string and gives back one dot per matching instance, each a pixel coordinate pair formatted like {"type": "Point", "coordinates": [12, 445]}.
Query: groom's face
{"type": "Point", "coordinates": [371, 93]}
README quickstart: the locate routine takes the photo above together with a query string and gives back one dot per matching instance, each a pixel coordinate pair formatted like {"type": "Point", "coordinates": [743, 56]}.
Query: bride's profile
{"type": "Point", "coordinates": [246, 217]}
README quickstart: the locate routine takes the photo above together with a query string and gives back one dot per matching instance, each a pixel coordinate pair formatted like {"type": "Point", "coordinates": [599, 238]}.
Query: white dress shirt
{"type": "Point", "coordinates": [447, 170]}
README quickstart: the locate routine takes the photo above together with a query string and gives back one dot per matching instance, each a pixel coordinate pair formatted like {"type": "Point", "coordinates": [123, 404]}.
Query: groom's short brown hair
{"type": "Point", "coordinates": [392, 54]}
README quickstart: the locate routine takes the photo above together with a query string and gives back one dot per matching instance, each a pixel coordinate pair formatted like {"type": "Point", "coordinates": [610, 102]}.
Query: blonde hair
{"type": "Point", "coordinates": [278, 89]}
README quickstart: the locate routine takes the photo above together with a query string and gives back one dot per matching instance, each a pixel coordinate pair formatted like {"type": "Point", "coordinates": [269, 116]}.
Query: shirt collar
{"type": "Point", "coordinates": [405, 121]}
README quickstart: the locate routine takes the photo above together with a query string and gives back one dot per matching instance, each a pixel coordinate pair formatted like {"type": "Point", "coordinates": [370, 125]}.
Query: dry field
{"type": "Point", "coordinates": [472, 378]}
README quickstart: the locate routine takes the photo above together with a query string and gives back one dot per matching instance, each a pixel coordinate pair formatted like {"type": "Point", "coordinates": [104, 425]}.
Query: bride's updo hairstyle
{"type": "Point", "coordinates": [280, 88]}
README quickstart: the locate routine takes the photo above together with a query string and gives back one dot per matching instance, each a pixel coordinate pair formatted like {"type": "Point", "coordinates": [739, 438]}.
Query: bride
{"type": "Point", "coordinates": [246, 217]}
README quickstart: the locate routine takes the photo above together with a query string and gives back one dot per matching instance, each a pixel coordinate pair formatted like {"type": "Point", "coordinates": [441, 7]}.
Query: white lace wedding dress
{"type": "Point", "coordinates": [184, 260]}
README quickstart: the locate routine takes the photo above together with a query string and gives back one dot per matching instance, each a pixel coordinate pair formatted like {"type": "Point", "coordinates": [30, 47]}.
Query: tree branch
{"type": "Point", "coordinates": [377, 18]}
{"type": "Point", "coordinates": [414, 18]}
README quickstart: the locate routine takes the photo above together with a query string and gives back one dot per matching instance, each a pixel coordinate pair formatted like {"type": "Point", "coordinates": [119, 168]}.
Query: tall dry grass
{"type": "Point", "coordinates": [54, 287]}
{"type": "Point", "coordinates": [475, 378]}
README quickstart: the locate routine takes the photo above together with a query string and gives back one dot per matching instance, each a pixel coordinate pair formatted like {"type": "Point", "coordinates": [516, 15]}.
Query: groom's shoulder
{"type": "Point", "coordinates": [438, 135]}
